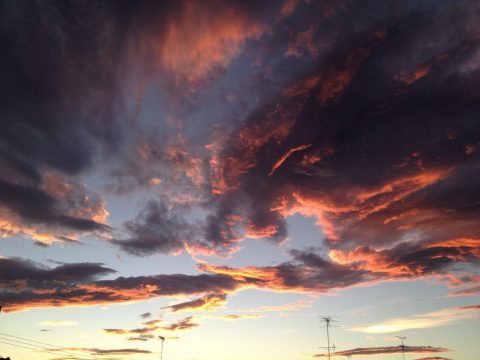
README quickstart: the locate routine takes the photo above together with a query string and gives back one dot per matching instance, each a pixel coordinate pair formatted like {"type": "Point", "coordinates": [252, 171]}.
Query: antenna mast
{"type": "Point", "coordinates": [402, 339]}
{"type": "Point", "coordinates": [328, 320]}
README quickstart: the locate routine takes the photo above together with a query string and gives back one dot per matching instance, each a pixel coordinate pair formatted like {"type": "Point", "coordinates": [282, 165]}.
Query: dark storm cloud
{"type": "Point", "coordinates": [58, 88]}
{"type": "Point", "coordinates": [368, 123]}
{"type": "Point", "coordinates": [60, 83]}
{"type": "Point", "coordinates": [24, 272]}
{"type": "Point", "coordinates": [68, 72]}
{"type": "Point", "coordinates": [47, 211]}
{"type": "Point", "coordinates": [155, 230]}
{"type": "Point", "coordinates": [378, 140]}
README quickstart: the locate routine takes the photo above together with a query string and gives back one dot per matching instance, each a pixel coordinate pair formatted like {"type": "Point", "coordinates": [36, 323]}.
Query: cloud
{"type": "Point", "coordinates": [28, 285]}
{"type": "Point", "coordinates": [60, 114]}
{"type": "Point", "coordinates": [31, 285]}
{"type": "Point", "coordinates": [156, 229]}
{"type": "Point", "coordinates": [97, 351]}
{"type": "Point", "coordinates": [141, 338]}
{"type": "Point", "coordinates": [392, 182]}
{"type": "Point", "coordinates": [143, 331]}
{"type": "Point", "coordinates": [71, 113]}
{"type": "Point", "coordinates": [205, 303]}
{"type": "Point", "coordinates": [471, 307]}
{"type": "Point", "coordinates": [182, 324]}
{"type": "Point", "coordinates": [219, 35]}
{"type": "Point", "coordinates": [145, 315]}
{"type": "Point", "coordinates": [394, 178]}
{"type": "Point", "coordinates": [58, 323]}
{"type": "Point", "coordinates": [233, 317]}
{"type": "Point", "coordinates": [374, 173]}
{"type": "Point", "coordinates": [16, 273]}
{"type": "Point", "coordinates": [57, 210]}
{"type": "Point", "coordinates": [386, 350]}
{"type": "Point", "coordinates": [473, 291]}
{"type": "Point", "coordinates": [420, 321]}
{"type": "Point", "coordinates": [280, 308]}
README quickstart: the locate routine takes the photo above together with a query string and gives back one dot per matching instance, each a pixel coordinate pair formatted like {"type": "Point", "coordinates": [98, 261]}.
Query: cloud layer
{"type": "Point", "coordinates": [360, 116]}
{"type": "Point", "coordinates": [387, 350]}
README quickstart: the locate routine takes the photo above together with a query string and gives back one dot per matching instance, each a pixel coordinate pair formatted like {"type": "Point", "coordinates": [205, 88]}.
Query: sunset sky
{"type": "Point", "coordinates": [223, 174]}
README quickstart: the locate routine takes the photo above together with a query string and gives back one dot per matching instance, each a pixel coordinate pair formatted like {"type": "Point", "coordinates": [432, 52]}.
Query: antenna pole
{"type": "Point", "coordinates": [161, 351]}
{"type": "Point", "coordinates": [327, 320]}
{"type": "Point", "coordinates": [402, 339]}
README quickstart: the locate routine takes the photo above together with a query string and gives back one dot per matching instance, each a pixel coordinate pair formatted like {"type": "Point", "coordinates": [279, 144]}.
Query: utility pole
{"type": "Point", "coordinates": [328, 320]}
{"type": "Point", "coordinates": [161, 351]}
{"type": "Point", "coordinates": [402, 339]}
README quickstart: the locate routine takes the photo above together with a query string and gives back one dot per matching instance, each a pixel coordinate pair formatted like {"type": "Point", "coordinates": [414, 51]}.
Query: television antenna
{"type": "Point", "coordinates": [328, 323]}
{"type": "Point", "coordinates": [402, 339]}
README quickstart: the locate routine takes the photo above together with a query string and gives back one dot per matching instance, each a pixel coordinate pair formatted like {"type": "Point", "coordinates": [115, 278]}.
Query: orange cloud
{"type": "Point", "coordinates": [473, 291]}
{"type": "Point", "coordinates": [334, 83]}
{"type": "Point", "coordinates": [182, 324]}
{"type": "Point", "coordinates": [302, 87]}
{"type": "Point", "coordinates": [286, 155]}
{"type": "Point", "coordinates": [201, 39]}
{"type": "Point", "coordinates": [288, 8]}
{"type": "Point", "coordinates": [226, 170]}
{"type": "Point", "coordinates": [262, 275]}
{"type": "Point", "coordinates": [67, 203]}
{"type": "Point", "coordinates": [416, 75]}
{"type": "Point", "coordinates": [205, 303]}
{"type": "Point", "coordinates": [304, 40]}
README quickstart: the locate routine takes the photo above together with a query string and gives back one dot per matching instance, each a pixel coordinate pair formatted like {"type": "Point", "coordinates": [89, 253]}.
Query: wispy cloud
{"type": "Point", "coordinates": [182, 324]}
{"type": "Point", "coordinates": [205, 303]}
{"type": "Point", "coordinates": [58, 323]}
{"type": "Point", "coordinates": [281, 308]}
{"type": "Point", "coordinates": [232, 317]}
{"type": "Point", "coordinates": [420, 321]}
{"type": "Point", "coordinates": [473, 291]}
{"type": "Point", "coordinates": [98, 351]}
{"type": "Point", "coordinates": [386, 350]}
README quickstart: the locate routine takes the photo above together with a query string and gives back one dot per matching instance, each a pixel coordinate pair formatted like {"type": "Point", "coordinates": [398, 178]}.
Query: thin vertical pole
{"type": "Point", "coordinates": [328, 338]}
{"type": "Point", "coordinates": [161, 351]}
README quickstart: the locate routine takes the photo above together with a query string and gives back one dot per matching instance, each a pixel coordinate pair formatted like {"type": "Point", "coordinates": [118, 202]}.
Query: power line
{"type": "Point", "coordinates": [38, 350]}
{"type": "Point", "coordinates": [19, 346]}
{"type": "Point", "coordinates": [56, 349]}
{"type": "Point", "coordinates": [37, 347]}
